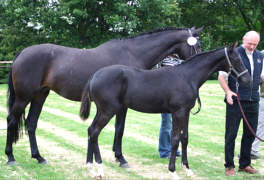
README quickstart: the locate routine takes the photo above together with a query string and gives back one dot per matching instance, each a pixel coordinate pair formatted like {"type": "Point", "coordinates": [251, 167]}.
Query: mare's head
{"type": "Point", "coordinates": [190, 44]}
{"type": "Point", "coordinates": [235, 66]}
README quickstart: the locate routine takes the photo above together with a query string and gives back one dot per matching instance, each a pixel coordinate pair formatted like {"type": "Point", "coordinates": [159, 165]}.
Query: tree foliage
{"type": "Point", "coordinates": [88, 23]}
{"type": "Point", "coordinates": [93, 22]}
{"type": "Point", "coordinates": [225, 21]}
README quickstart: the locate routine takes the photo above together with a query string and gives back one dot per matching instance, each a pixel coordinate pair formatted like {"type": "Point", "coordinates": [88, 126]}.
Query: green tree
{"type": "Point", "coordinates": [225, 21]}
{"type": "Point", "coordinates": [93, 22]}
{"type": "Point", "coordinates": [78, 23]}
{"type": "Point", "coordinates": [24, 23]}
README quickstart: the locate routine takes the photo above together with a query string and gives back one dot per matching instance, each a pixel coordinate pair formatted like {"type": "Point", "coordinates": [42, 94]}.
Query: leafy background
{"type": "Point", "coordinates": [88, 23]}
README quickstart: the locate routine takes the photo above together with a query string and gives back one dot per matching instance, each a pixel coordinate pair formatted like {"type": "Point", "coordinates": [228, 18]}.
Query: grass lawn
{"type": "Point", "coordinates": [62, 140]}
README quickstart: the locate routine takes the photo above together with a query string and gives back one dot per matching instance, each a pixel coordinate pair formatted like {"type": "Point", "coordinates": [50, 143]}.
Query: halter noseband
{"type": "Point", "coordinates": [231, 68]}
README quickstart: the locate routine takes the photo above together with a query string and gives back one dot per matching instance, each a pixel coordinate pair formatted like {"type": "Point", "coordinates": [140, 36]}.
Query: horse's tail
{"type": "Point", "coordinates": [199, 103]}
{"type": "Point", "coordinates": [85, 102]}
{"type": "Point", "coordinates": [13, 123]}
{"type": "Point", "coordinates": [10, 92]}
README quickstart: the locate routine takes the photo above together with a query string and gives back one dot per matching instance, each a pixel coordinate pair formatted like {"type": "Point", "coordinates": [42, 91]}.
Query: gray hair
{"type": "Point", "coordinates": [251, 33]}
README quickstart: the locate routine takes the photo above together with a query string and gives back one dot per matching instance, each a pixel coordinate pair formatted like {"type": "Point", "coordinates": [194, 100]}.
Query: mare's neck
{"type": "Point", "coordinates": [150, 49]}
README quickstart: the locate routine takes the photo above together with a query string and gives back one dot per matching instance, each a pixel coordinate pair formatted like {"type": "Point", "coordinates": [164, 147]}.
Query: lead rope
{"type": "Point", "coordinates": [243, 114]}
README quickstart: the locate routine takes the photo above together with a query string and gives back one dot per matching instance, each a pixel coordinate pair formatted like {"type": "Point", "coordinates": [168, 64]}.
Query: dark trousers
{"type": "Point", "coordinates": [233, 118]}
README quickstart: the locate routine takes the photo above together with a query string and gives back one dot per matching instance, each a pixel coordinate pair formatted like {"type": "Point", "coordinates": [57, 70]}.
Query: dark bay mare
{"type": "Point", "coordinates": [41, 68]}
{"type": "Point", "coordinates": [166, 90]}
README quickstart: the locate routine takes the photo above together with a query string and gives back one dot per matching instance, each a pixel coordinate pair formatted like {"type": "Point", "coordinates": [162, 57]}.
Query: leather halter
{"type": "Point", "coordinates": [231, 68]}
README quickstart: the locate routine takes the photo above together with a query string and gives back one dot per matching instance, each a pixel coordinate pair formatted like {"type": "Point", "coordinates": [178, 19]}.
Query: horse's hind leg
{"type": "Point", "coordinates": [119, 131]}
{"type": "Point", "coordinates": [90, 151]}
{"type": "Point", "coordinates": [13, 127]}
{"type": "Point", "coordinates": [32, 120]}
{"type": "Point", "coordinates": [94, 130]}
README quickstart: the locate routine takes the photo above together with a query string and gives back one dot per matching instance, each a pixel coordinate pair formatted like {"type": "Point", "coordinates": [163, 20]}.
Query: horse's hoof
{"type": "Point", "coordinates": [124, 165]}
{"type": "Point", "coordinates": [189, 172]}
{"type": "Point", "coordinates": [174, 176]}
{"type": "Point", "coordinates": [40, 159]}
{"type": "Point", "coordinates": [98, 177]}
{"type": "Point", "coordinates": [43, 162]}
{"type": "Point", "coordinates": [12, 163]}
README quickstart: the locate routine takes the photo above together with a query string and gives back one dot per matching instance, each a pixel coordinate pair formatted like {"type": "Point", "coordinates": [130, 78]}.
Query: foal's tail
{"type": "Point", "coordinates": [85, 102]}
{"type": "Point", "coordinates": [14, 123]}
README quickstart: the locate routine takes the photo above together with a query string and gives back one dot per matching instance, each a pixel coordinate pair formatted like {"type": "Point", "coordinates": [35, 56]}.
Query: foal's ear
{"type": "Point", "coordinates": [234, 45]}
{"type": "Point", "coordinates": [196, 32]}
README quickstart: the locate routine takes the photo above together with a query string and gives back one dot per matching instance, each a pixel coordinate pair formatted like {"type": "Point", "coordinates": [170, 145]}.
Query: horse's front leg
{"type": "Point", "coordinates": [119, 131]}
{"type": "Point", "coordinates": [180, 133]}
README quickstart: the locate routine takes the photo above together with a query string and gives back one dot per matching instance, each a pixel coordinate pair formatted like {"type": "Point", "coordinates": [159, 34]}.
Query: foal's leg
{"type": "Point", "coordinates": [178, 124]}
{"type": "Point", "coordinates": [90, 152]}
{"type": "Point", "coordinates": [119, 131]}
{"type": "Point", "coordinates": [184, 142]}
{"type": "Point", "coordinates": [32, 121]}
{"type": "Point", "coordinates": [93, 131]}
{"type": "Point", "coordinates": [13, 119]}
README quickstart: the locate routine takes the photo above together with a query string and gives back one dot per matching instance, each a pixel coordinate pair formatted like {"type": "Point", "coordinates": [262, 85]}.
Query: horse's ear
{"type": "Point", "coordinates": [234, 45]}
{"type": "Point", "coordinates": [196, 32]}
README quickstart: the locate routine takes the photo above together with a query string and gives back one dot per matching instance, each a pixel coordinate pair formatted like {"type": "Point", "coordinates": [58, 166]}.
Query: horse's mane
{"type": "Point", "coordinates": [150, 32]}
{"type": "Point", "coordinates": [191, 58]}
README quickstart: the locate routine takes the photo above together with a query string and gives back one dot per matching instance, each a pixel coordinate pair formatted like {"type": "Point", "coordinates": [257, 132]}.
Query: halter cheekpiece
{"type": "Point", "coordinates": [231, 68]}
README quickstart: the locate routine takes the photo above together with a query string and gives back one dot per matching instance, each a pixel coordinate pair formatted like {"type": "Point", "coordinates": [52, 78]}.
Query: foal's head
{"type": "Point", "coordinates": [235, 65]}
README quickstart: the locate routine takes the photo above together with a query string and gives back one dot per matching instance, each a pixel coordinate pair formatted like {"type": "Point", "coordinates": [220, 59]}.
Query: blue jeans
{"type": "Point", "coordinates": [165, 136]}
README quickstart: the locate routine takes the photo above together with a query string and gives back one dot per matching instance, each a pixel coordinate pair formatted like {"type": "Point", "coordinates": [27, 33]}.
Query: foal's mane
{"type": "Point", "coordinates": [191, 58]}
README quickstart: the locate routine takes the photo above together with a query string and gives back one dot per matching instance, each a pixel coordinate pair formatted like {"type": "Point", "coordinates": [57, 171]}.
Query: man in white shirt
{"type": "Point", "coordinates": [253, 61]}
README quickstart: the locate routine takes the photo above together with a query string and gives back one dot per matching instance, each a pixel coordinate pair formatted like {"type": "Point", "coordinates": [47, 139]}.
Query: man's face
{"type": "Point", "coordinates": [250, 43]}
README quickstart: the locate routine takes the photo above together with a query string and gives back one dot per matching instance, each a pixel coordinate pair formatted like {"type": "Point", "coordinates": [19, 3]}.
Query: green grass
{"type": "Point", "coordinates": [205, 149]}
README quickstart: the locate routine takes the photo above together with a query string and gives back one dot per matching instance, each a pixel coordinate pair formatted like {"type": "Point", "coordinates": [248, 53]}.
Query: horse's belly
{"type": "Point", "coordinates": [147, 107]}
{"type": "Point", "coordinates": [69, 92]}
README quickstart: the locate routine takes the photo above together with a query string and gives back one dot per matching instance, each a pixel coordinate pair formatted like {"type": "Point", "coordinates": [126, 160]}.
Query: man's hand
{"type": "Point", "coordinates": [262, 78]}
{"type": "Point", "coordinates": [229, 98]}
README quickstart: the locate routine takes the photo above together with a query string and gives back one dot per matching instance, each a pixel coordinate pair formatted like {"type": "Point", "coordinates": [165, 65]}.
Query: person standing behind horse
{"type": "Point", "coordinates": [260, 128]}
{"type": "Point", "coordinates": [253, 60]}
{"type": "Point", "coordinates": [166, 118]}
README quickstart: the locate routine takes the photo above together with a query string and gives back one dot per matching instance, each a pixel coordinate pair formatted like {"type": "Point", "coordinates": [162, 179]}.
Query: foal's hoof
{"type": "Point", "coordinates": [98, 177]}
{"type": "Point", "coordinates": [124, 165]}
{"type": "Point", "coordinates": [123, 162]}
{"type": "Point", "coordinates": [174, 176]}
{"type": "Point", "coordinates": [12, 163]}
{"type": "Point", "coordinates": [43, 162]}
